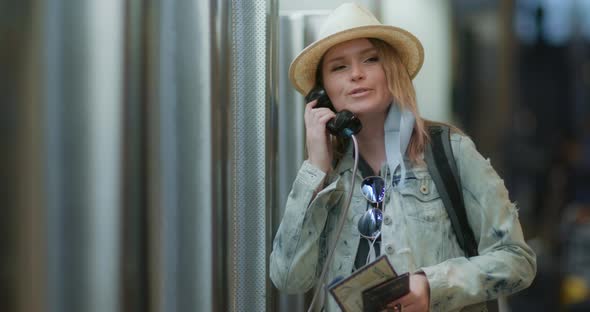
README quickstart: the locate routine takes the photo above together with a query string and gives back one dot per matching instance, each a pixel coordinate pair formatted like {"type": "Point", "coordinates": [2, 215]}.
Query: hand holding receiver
{"type": "Point", "coordinates": [344, 123]}
{"type": "Point", "coordinates": [319, 147]}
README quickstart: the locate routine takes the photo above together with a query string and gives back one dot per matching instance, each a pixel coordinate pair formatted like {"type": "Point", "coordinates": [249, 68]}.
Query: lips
{"type": "Point", "coordinates": [358, 91]}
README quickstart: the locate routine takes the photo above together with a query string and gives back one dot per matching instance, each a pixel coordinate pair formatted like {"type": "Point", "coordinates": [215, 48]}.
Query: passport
{"type": "Point", "coordinates": [377, 297]}
{"type": "Point", "coordinates": [371, 287]}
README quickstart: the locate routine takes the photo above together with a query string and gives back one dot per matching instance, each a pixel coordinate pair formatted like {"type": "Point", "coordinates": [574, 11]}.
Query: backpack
{"type": "Point", "coordinates": [443, 170]}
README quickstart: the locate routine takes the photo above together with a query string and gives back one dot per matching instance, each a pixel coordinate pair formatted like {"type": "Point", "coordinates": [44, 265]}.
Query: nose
{"type": "Point", "coordinates": [357, 72]}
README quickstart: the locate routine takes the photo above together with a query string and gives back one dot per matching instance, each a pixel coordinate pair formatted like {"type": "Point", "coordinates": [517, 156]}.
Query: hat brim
{"type": "Point", "coordinates": [302, 71]}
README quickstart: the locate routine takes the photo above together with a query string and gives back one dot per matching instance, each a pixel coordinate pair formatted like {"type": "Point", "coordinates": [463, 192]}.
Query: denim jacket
{"type": "Point", "coordinates": [416, 232]}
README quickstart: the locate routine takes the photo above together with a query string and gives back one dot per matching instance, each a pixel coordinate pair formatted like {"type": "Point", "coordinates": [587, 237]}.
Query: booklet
{"type": "Point", "coordinates": [371, 287]}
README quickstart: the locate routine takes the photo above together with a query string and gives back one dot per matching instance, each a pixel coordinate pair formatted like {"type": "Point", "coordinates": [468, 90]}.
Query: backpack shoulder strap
{"type": "Point", "coordinates": [443, 169]}
{"type": "Point", "coordinates": [441, 165]}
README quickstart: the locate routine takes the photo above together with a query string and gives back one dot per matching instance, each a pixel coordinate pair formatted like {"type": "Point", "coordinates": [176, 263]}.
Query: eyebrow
{"type": "Point", "coordinates": [365, 51]}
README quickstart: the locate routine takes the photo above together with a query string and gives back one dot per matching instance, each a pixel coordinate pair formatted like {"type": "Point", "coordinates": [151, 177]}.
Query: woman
{"type": "Point", "coordinates": [366, 67]}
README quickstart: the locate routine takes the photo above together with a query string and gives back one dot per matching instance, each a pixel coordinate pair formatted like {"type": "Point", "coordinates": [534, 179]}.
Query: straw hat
{"type": "Point", "coordinates": [352, 21]}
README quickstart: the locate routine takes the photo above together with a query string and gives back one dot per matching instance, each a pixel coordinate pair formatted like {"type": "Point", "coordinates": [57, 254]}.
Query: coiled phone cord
{"type": "Point", "coordinates": [340, 227]}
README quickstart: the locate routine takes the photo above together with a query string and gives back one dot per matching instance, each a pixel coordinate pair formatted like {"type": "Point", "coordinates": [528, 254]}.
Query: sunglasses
{"type": "Point", "coordinates": [369, 225]}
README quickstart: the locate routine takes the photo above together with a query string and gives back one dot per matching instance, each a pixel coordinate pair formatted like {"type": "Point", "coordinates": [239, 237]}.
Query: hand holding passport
{"type": "Point", "coordinates": [370, 288]}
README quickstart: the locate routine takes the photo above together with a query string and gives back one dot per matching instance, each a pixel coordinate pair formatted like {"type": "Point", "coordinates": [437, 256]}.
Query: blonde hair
{"type": "Point", "coordinates": [403, 92]}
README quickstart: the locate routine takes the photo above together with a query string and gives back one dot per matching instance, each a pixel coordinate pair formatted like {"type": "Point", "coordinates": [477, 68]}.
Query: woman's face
{"type": "Point", "coordinates": [354, 78]}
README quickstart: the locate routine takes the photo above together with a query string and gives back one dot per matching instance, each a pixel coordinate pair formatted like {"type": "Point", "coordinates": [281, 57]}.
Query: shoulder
{"type": "Point", "coordinates": [462, 143]}
{"type": "Point", "coordinates": [464, 149]}
{"type": "Point", "coordinates": [459, 140]}
{"type": "Point", "coordinates": [456, 132]}
{"type": "Point", "coordinates": [476, 171]}
{"type": "Point", "coordinates": [457, 136]}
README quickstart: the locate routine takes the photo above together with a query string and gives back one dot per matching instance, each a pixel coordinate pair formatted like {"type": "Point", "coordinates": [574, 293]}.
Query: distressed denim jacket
{"type": "Point", "coordinates": [416, 233]}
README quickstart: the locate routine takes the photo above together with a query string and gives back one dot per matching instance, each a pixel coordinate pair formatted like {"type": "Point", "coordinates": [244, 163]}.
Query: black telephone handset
{"type": "Point", "coordinates": [344, 124]}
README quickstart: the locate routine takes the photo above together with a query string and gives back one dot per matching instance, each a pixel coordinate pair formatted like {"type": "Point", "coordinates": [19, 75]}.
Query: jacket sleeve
{"type": "Point", "coordinates": [505, 264]}
{"type": "Point", "coordinates": [295, 255]}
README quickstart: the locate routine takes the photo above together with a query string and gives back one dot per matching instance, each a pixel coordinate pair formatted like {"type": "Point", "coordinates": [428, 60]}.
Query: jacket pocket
{"type": "Point", "coordinates": [422, 201]}
{"type": "Point", "coordinates": [428, 225]}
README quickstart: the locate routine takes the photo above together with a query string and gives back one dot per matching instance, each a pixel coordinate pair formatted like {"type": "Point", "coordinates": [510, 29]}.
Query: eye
{"type": "Point", "coordinates": [373, 59]}
{"type": "Point", "coordinates": [338, 67]}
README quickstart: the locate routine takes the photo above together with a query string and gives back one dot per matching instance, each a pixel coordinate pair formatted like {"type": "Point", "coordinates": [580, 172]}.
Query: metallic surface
{"type": "Point", "coordinates": [220, 136]}
{"type": "Point", "coordinates": [297, 29]}
{"type": "Point", "coordinates": [139, 151]}
{"type": "Point", "coordinates": [181, 218]}
{"type": "Point", "coordinates": [80, 108]}
{"type": "Point", "coordinates": [249, 234]}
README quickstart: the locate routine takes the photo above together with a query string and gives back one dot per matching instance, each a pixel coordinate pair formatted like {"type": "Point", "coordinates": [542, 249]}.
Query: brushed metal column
{"type": "Point", "coordinates": [250, 199]}
{"type": "Point", "coordinates": [290, 140]}
{"type": "Point", "coordinates": [183, 247]}
{"type": "Point", "coordinates": [208, 113]}
{"type": "Point", "coordinates": [297, 29]}
{"type": "Point", "coordinates": [80, 62]}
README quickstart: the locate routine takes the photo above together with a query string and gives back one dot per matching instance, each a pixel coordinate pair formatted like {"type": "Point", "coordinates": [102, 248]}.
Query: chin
{"type": "Point", "coordinates": [369, 108]}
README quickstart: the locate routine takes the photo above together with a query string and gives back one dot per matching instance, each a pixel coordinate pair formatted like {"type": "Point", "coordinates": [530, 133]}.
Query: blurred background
{"type": "Point", "coordinates": [147, 147]}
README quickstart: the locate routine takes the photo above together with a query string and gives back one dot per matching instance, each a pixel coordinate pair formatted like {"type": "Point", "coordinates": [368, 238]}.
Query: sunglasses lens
{"type": "Point", "coordinates": [370, 223]}
{"type": "Point", "coordinates": [373, 188]}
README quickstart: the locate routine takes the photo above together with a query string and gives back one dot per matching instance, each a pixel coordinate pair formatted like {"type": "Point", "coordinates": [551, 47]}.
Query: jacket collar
{"type": "Point", "coordinates": [346, 164]}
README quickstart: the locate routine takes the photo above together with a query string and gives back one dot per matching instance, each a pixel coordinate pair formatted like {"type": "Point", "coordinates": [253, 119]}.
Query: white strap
{"type": "Point", "coordinates": [398, 130]}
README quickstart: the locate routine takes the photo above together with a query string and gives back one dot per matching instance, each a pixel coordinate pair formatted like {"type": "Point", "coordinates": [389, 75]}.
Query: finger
{"type": "Point", "coordinates": [311, 104]}
{"type": "Point", "coordinates": [317, 113]}
{"type": "Point", "coordinates": [391, 305]}
{"type": "Point", "coordinates": [397, 303]}
{"type": "Point", "coordinates": [411, 308]}
{"type": "Point", "coordinates": [324, 118]}
{"type": "Point", "coordinates": [405, 307]}
{"type": "Point", "coordinates": [321, 110]}
{"type": "Point", "coordinates": [320, 113]}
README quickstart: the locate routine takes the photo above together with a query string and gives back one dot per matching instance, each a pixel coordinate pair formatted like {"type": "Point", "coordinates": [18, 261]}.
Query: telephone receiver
{"type": "Point", "coordinates": [344, 124]}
